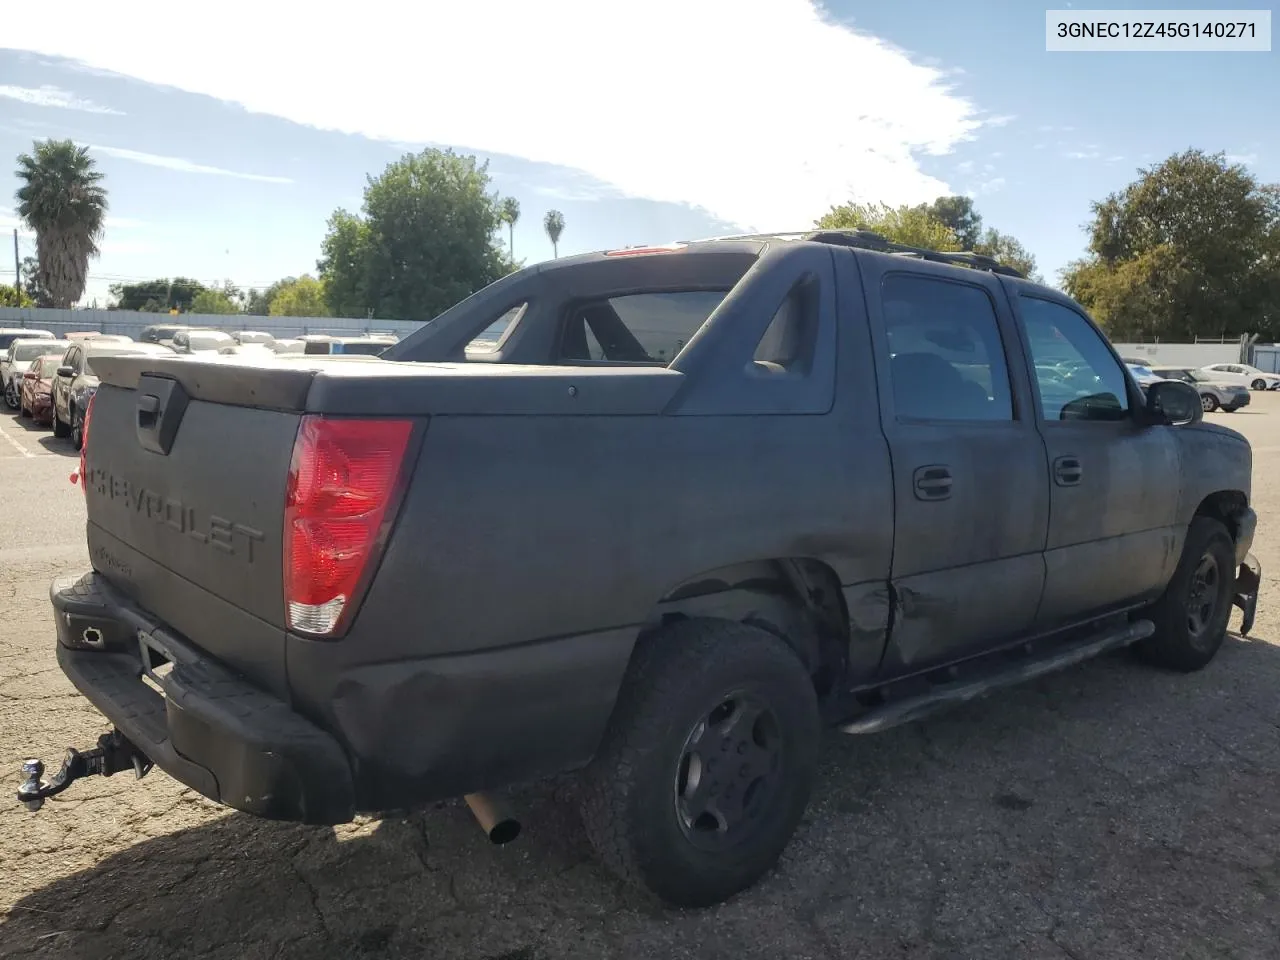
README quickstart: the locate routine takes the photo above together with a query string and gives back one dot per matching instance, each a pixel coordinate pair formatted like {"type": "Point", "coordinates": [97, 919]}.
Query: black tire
{"type": "Point", "coordinates": [1259, 384]}
{"type": "Point", "coordinates": [60, 429]}
{"type": "Point", "coordinates": [639, 800]}
{"type": "Point", "coordinates": [1208, 402]}
{"type": "Point", "coordinates": [1191, 618]}
{"type": "Point", "coordinates": [77, 428]}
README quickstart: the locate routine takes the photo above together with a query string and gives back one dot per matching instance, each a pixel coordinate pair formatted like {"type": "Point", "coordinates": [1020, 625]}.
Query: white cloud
{"type": "Point", "coordinates": [964, 167]}
{"type": "Point", "coordinates": [988, 186]}
{"type": "Point", "coordinates": [185, 166]}
{"type": "Point", "coordinates": [999, 120]}
{"type": "Point", "coordinates": [666, 103]}
{"type": "Point", "coordinates": [1248, 159]}
{"type": "Point", "coordinates": [47, 96]}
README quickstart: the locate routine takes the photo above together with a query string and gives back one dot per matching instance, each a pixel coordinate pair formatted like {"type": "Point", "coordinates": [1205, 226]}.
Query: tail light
{"type": "Point", "coordinates": [342, 480]}
{"type": "Point", "coordinates": [82, 476]}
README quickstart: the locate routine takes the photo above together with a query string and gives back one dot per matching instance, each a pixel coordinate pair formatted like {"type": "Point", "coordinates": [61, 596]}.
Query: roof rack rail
{"type": "Point", "coordinates": [868, 240]}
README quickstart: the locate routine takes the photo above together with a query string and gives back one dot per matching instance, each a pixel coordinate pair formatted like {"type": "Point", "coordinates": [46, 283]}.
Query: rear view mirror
{"type": "Point", "coordinates": [66, 371]}
{"type": "Point", "coordinates": [1173, 401]}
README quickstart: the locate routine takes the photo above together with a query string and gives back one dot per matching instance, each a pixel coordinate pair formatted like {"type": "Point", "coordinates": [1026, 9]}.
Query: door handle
{"type": "Point", "coordinates": [1067, 471]}
{"type": "Point", "coordinates": [932, 482]}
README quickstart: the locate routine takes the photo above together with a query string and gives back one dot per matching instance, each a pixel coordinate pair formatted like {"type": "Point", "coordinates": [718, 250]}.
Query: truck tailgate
{"type": "Point", "coordinates": [189, 525]}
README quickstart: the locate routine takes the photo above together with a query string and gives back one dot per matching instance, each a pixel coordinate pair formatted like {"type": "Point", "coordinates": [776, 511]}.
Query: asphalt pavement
{"type": "Point", "coordinates": [1111, 811]}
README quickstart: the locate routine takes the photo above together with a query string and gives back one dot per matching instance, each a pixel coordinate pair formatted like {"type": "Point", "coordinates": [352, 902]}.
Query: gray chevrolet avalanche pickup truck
{"type": "Point", "coordinates": [654, 515]}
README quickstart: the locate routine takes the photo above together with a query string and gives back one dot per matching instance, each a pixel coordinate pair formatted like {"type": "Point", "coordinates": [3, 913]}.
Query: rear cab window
{"type": "Point", "coordinates": [645, 328]}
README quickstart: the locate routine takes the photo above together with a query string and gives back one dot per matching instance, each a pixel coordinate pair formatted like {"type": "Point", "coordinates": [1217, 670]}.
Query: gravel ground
{"type": "Point", "coordinates": [1111, 811]}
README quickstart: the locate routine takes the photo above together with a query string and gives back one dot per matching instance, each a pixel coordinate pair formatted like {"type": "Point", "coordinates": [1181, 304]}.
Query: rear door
{"type": "Point", "coordinates": [1113, 538]}
{"type": "Point", "coordinates": [970, 480]}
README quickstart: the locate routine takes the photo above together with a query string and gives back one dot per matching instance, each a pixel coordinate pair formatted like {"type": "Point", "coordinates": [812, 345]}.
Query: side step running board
{"type": "Point", "coordinates": [944, 695]}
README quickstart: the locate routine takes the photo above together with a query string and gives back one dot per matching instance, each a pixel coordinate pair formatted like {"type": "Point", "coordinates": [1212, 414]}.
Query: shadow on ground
{"type": "Point", "coordinates": [1109, 811]}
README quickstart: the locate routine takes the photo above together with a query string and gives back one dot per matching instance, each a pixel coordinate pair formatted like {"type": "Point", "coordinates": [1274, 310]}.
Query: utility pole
{"type": "Point", "coordinates": [17, 269]}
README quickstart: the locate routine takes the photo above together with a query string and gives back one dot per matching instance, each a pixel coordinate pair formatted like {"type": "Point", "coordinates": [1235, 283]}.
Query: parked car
{"type": "Point", "coordinates": [247, 349]}
{"type": "Point", "coordinates": [288, 345]}
{"type": "Point", "coordinates": [76, 381]}
{"type": "Point", "coordinates": [161, 332]}
{"type": "Point", "coordinates": [82, 335]}
{"type": "Point", "coordinates": [16, 360]}
{"type": "Point", "coordinates": [1242, 373]}
{"type": "Point", "coordinates": [201, 341]}
{"type": "Point", "coordinates": [847, 496]}
{"type": "Point", "coordinates": [244, 337]}
{"type": "Point", "coordinates": [35, 396]}
{"type": "Point", "coordinates": [10, 334]}
{"type": "Point", "coordinates": [370, 345]}
{"type": "Point", "coordinates": [1214, 395]}
{"type": "Point", "coordinates": [1143, 375]}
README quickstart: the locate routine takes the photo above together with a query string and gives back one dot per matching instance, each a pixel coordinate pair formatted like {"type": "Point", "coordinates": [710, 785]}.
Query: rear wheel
{"type": "Point", "coordinates": [1209, 402]}
{"type": "Point", "coordinates": [1191, 618]}
{"type": "Point", "coordinates": [1259, 384]}
{"type": "Point", "coordinates": [707, 764]}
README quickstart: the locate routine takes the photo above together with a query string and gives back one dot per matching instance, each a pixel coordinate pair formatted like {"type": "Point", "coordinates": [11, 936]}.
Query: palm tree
{"type": "Point", "coordinates": [509, 215]}
{"type": "Point", "coordinates": [63, 201]}
{"type": "Point", "coordinates": [553, 223]}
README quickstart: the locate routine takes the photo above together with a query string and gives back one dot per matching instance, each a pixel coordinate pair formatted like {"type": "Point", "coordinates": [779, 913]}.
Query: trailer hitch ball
{"type": "Point", "coordinates": [32, 771]}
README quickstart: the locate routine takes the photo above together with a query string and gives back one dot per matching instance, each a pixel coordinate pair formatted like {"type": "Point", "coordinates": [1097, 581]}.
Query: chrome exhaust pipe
{"type": "Point", "coordinates": [494, 818]}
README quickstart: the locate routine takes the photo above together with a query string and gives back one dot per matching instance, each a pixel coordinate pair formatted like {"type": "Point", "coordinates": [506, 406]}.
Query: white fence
{"type": "Point", "coordinates": [130, 323]}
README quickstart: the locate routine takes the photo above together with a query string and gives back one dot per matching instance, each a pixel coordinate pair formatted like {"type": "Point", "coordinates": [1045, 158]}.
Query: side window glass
{"type": "Point", "coordinates": [946, 361]}
{"type": "Point", "coordinates": [1075, 373]}
{"type": "Point", "coordinates": [788, 343]}
{"type": "Point", "coordinates": [487, 340]}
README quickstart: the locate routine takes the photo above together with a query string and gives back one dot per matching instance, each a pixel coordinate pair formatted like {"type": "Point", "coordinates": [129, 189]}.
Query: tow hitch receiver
{"type": "Point", "coordinates": [113, 754]}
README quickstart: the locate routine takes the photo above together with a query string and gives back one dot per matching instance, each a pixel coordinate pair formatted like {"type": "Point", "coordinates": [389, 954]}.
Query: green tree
{"type": "Point", "coordinates": [62, 199]}
{"type": "Point", "coordinates": [1191, 248]}
{"type": "Point", "coordinates": [345, 265]}
{"type": "Point", "coordinates": [959, 215]}
{"type": "Point", "coordinates": [910, 225]}
{"type": "Point", "coordinates": [1008, 251]}
{"type": "Point", "coordinates": [212, 300]}
{"type": "Point", "coordinates": [303, 297]}
{"type": "Point", "coordinates": [424, 241]}
{"type": "Point", "coordinates": [14, 296]}
{"type": "Point", "coordinates": [510, 212]}
{"type": "Point", "coordinates": [553, 223]}
{"type": "Point", "coordinates": [164, 293]}
{"type": "Point", "coordinates": [258, 302]}
{"type": "Point", "coordinates": [31, 285]}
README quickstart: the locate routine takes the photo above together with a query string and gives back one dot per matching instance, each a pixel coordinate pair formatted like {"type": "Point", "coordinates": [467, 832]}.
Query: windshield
{"type": "Point", "coordinates": [1140, 370]}
{"type": "Point", "coordinates": [29, 351]}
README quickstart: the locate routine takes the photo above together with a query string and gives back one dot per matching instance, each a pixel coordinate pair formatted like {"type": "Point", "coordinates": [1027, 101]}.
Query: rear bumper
{"type": "Point", "coordinates": [1235, 401]}
{"type": "Point", "coordinates": [204, 726]}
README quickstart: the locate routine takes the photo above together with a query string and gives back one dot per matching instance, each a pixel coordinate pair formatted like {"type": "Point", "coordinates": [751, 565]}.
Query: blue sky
{"type": "Point", "coordinates": [226, 153]}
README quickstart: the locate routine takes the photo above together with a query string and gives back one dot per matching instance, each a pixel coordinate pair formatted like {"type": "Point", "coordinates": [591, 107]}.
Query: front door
{"type": "Point", "coordinates": [1113, 537]}
{"type": "Point", "coordinates": [970, 481]}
